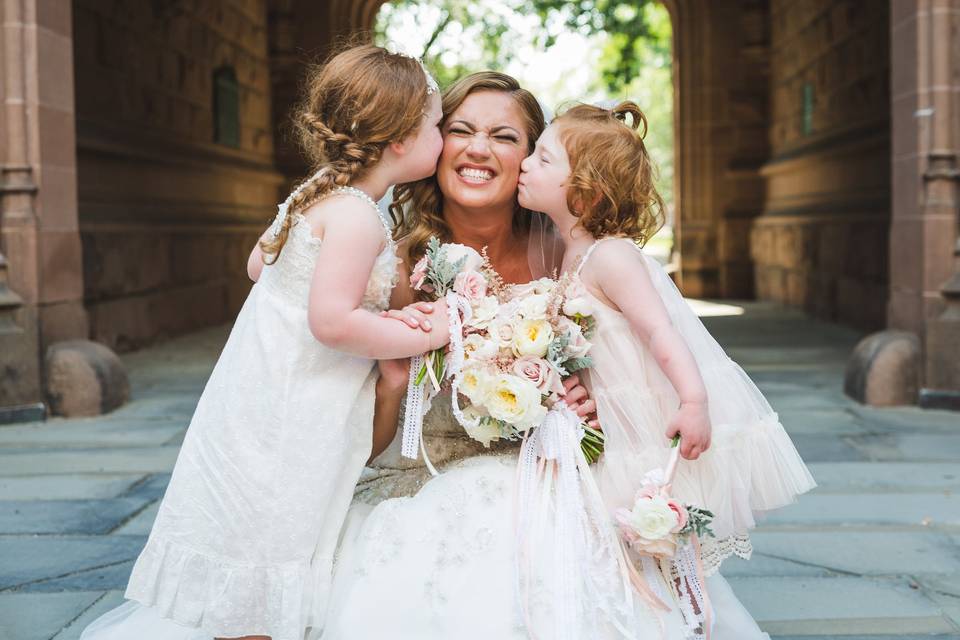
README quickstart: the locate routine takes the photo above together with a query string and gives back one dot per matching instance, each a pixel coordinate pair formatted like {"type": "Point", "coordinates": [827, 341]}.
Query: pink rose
{"type": "Point", "coordinates": [682, 515]}
{"type": "Point", "coordinates": [470, 284]}
{"type": "Point", "coordinates": [419, 273]}
{"type": "Point", "coordinates": [540, 373]}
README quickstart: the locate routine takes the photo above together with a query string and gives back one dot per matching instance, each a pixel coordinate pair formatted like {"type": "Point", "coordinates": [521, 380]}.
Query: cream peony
{"type": "Point", "coordinates": [474, 381]}
{"type": "Point", "coordinates": [532, 338]}
{"type": "Point", "coordinates": [514, 400]}
{"type": "Point", "coordinates": [453, 252]}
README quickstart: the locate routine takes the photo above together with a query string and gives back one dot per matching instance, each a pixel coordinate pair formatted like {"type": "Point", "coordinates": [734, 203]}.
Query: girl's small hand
{"type": "Point", "coordinates": [692, 422]}
{"type": "Point", "coordinates": [415, 316]}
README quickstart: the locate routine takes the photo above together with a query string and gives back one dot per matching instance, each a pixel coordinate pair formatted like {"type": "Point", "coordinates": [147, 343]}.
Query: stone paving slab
{"type": "Point", "coordinates": [840, 605]}
{"type": "Point", "coordinates": [863, 552]}
{"type": "Point", "coordinates": [29, 560]}
{"type": "Point", "coordinates": [67, 516]}
{"type": "Point", "coordinates": [128, 432]}
{"type": "Point", "coordinates": [106, 602]}
{"type": "Point", "coordinates": [920, 509]}
{"type": "Point", "coordinates": [114, 576]}
{"type": "Point", "coordinates": [67, 486]}
{"type": "Point", "coordinates": [817, 448]}
{"type": "Point", "coordinates": [885, 477]}
{"type": "Point", "coordinates": [40, 616]}
{"type": "Point", "coordinates": [141, 523]}
{"type": "Point", "coordinates": [933, 447]}
{"type": "Point", "coordinates": [826, 423]}
{"type": "Point", "coordinates": [115, 460]}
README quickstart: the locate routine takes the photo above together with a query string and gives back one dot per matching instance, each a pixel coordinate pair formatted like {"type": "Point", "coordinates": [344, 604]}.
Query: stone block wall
{"type": "Point", "coordinates": [167, 214]}
{"type": "Point", "coordinates": [822, 241]}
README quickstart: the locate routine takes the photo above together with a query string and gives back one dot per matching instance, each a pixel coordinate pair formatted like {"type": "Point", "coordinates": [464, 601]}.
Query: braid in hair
{"type": "Point", "coordinates": [355, 104]}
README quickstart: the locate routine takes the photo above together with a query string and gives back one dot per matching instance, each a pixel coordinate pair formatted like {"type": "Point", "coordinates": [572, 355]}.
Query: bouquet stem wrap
{"type": "Point", "coordinates": [560, 504]}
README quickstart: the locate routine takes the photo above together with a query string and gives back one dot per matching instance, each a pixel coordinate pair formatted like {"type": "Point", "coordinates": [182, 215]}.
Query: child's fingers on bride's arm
{"type": "Point", "coordinates": [413, 319]}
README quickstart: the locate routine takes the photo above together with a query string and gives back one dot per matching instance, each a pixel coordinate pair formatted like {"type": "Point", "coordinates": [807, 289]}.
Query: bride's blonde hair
{"type": "Point", "coordinates": [356, 103]}
{"type": "Point", "coordinates": [417, 208]}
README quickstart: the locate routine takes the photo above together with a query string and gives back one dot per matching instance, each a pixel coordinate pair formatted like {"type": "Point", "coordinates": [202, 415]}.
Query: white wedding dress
{"type": "Point", "coordinates": [244, 539]}
{"type": "Point", "coordinates": [426, 558]}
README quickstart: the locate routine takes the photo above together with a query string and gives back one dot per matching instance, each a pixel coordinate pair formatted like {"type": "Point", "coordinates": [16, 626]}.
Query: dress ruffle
{"type": "Point", "coordinates": [226, 598]}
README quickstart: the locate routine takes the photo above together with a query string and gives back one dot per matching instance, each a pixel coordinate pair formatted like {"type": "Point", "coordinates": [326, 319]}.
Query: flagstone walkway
{"type": "Point", "coordinates": [873, 553]}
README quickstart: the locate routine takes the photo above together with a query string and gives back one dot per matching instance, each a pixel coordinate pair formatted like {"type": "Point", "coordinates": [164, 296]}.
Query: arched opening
{"type": "Point", "coordinates": [563, 52]}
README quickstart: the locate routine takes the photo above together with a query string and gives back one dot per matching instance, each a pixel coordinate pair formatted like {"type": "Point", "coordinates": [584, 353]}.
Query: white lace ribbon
{"type": "Point", "coordinates": [419, 395]}
{"type": "Point", "coordinates": [559, 502]}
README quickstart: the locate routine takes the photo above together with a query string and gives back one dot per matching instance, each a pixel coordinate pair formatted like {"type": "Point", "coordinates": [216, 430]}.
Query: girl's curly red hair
{"type": "Point", "coordinates": [611, 186]}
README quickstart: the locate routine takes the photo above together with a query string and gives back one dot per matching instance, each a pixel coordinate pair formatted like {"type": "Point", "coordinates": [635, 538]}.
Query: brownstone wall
{"type": "Point", "coordinates": [167, 215]}
{"type": "Point", "coordinates": [822, 243]}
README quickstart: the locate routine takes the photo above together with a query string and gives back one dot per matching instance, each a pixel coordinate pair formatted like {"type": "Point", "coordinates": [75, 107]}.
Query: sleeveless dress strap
{"type": "Point", "coordinates": [589, 251]}
{"type": "Point", "coordinates": [357, 193]}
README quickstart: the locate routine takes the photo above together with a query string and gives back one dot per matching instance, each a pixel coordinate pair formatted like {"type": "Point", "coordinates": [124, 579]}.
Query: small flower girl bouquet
{"type": "Point", "coordinates": [664, 534]}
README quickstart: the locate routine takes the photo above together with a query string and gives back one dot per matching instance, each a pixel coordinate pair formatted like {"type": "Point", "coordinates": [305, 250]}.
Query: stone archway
{"type": "Point", "coordinates": [720, 122]}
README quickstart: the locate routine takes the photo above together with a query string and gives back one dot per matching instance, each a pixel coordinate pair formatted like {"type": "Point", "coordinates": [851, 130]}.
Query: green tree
{"type": "Point", "coordinates": [632, 42]}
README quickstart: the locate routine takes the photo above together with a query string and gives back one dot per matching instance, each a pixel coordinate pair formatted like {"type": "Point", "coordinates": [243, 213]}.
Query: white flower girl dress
{"type": "Point", "coordinates": [245, 536]}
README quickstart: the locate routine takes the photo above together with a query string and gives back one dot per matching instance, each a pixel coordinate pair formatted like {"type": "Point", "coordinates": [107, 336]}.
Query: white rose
{"type": "Point", "coordinates": [453, 252]}
{"type": "Point", "coordinates": [484, 311]}
{"type": "Point", "coordinates": [539, 287]}
{"type": "Point", "coordinates": [478, 347]}
{"type": "Point", "coordinates": [484, 432]}
{"type": "Point", "coordinates": [474, 381]}
{"type": "Point", "coordinates": [514, 400]}
{"type": "Point", "coordinates": [502, 330]}
{"type": "Point", "coordinates": [534, 307]}
{"type": "Point", "coordinates": [532, 337]}
{"type": "Point", "coordinates": [652, 518]}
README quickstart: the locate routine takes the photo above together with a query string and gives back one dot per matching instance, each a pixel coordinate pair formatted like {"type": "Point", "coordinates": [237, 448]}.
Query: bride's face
{"type": "Point", "coordinates": [484, 142]}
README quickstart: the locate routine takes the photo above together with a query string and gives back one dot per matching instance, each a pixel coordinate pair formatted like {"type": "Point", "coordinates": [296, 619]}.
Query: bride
{"type": "Point", "coordinates": [431, 558]}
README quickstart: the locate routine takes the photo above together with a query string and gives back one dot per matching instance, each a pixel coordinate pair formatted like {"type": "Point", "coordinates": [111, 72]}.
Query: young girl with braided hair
{"type": "Point", "coordinates": [243, 542]}
{"type": "Point", "coordinates": [657, 373]}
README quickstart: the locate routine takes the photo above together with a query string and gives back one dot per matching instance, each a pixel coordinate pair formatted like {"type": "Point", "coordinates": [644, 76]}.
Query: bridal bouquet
{"type": "Point", "coordinates": [509, 347]}
{"type": "Point", "coordinates": [516, 348]}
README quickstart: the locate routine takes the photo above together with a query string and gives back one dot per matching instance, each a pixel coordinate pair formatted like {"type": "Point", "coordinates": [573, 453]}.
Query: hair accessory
{"type": "Point", "coordinates": [432, 86]}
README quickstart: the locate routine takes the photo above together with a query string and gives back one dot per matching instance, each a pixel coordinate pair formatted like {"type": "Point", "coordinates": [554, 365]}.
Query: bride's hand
{"type": "Point", "coordinates": [579, 401]}
{"type": "Point", "coordinates": [415, 316]}
{"type": "Point", "coordinates": [692, 423]}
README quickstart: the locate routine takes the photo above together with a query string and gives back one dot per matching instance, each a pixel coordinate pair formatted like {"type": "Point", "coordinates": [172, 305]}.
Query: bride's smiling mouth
{"type": "Point", "coordinates": [475, 174]}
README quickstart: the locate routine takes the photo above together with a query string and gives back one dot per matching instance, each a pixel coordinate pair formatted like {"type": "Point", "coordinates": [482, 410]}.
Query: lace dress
{"type": "Point", "coordinates": [426, 558]}
{"type": "Point", "coordinates": [245, 536]}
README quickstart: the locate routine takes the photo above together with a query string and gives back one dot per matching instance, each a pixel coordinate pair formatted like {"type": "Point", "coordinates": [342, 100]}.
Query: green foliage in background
{"type": "Point", "coordinates": [632, 42]}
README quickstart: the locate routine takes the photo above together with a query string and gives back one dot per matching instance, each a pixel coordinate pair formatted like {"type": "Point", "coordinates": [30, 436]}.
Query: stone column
{"type": "Point", "coordinates": [19, 355]}
{"type": "Point", "coordinates": [41, 277]}
{"type": "Point", "coordinates": [940, 201]}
